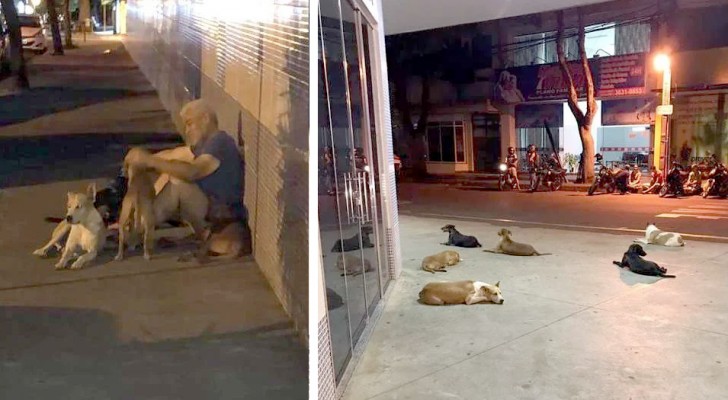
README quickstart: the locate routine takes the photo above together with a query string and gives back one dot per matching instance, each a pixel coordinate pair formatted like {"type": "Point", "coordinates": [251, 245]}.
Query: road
{"type": "Point", "coordinates": [705, 219]}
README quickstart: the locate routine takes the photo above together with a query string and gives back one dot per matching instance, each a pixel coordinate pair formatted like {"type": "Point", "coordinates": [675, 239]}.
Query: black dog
{"type": "Point", "coordinates": [352, 243]}
{"type": "Point", "coordinates": [633, 260]}
{"type": "Point", "coordinates": [108, 201]}
{"type": "Point", "coordinates": [456, 238]}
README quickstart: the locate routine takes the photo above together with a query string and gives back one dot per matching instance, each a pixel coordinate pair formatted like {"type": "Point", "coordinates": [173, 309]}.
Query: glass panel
{"type": "Point", "coordinates": [433, 142]}
{"type": "Point", "coordinates": [447, 137]}
{"type": "Point", "coordinates": [334, 145]}
{"type": "Point", "coordinates": [460, 144]}
{"type": "Point", "coordinates": [357, 228]}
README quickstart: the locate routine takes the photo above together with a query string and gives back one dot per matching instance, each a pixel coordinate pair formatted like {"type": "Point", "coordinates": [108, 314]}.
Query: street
{"type": "Point", "coordinates": [705, 219]}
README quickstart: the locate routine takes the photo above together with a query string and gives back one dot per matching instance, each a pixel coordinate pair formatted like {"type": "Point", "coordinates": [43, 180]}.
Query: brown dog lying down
{"type": "Point", "coordinates": [507, 246]}
{"type": "Point", "coordinates": [440, 261]}
{"type": "Point", "coordinates": [461, 292]}
{"type": "Point", "coordinates": [352, 265]}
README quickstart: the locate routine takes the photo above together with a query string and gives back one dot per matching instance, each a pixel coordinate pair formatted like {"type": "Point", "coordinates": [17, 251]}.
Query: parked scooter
{"type": "Point", "coordinates": [604, 180]}
{"type": "Point", "coordinates": [674, 182]}
{"type": "Point", "coordinates": [717, 182]}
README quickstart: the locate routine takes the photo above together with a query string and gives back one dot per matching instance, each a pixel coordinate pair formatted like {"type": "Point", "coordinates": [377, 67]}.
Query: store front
{"type": "Point", "coordinates": [357, 201]}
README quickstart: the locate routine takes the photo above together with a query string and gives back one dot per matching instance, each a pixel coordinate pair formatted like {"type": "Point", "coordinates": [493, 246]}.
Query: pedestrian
{"type": "Point", "coordinates": [534, 162]}
{"type": "Point", "coordinates": [328, 171]}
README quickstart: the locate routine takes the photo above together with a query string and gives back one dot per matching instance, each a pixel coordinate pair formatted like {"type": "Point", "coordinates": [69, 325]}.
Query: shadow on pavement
{"type": "Point", "coordinates": [36, 160]}
{"type": "Point", "coordinates": [47, 352]}
{"type": "Point", "coordinates": [37, 102]}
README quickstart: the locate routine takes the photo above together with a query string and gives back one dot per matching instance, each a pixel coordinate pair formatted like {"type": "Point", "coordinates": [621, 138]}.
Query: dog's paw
{"type": "Point", "coordinates": [41, 252]}
{"type": "Point", "coordinates": [76, 265]}
{"type": "Point", "coordinates": [147, 256]}
{"type": "Point", "coordinates": [59, 266]}
{"type": "Point", "coordinates": [119, 257]}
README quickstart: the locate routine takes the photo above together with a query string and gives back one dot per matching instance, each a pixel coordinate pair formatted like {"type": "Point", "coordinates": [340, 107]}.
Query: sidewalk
{"type": "Point", "coordinates": [573, 325]}
{"type": "Point", "coordinates": [127, 330]}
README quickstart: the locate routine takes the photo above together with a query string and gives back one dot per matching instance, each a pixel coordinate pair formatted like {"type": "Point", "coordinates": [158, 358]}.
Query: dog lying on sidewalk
{"type": "Point", "coordinates": [507, 246]}
{"type": "Point", "coordinates": [633, 260]}
{"type": "Point", "coordinates": [461, 292]}
{"type": "Point", "coordinates": [456, 238]}
{"type": "Point", "coordinates": [352, 265]}
{"type": "Point", "coordinates": [87, 230]}
{"type": "Point", "coordinates": [440, 261]}
{"type": "Point", "coordinates": [654, 235]}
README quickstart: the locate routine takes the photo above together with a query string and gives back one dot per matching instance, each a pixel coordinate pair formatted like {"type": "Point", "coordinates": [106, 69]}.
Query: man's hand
{"type": "Point", "coordinates": [138, 157]}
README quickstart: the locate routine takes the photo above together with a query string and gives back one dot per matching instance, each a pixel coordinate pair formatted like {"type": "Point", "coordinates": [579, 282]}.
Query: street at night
{"type": "Point", "coordinates": [694, 216]}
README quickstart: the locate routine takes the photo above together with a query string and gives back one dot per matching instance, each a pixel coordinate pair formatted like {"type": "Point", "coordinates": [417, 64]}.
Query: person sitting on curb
{"type": "Point", "coordinates": [202, 181]}
{"type": "Point", "coordinates": [621, 179]}
{"type": "Point", "coordinates": [694, 182]}
{"type": "Point", "coordinates": [656, 181]}
{"type": "Point", "coordinates": [635, 178]}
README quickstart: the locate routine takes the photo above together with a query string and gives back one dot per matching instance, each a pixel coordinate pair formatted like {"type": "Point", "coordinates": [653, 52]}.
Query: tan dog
{"type": "Point", "coordinates": [508, 246]}
{"type": "Point", "coordinates": [137, 213]}
{"type": "Point", "coordinates": [88, 232]}
{"type": "Point", "coordinates": [223, 240]}
{"type": "Point", "coordinates": [461, 292]}
{"type": "Point", "coordinates": [352, 265]}
{"type": "Point", "coordinates": [440, 261]}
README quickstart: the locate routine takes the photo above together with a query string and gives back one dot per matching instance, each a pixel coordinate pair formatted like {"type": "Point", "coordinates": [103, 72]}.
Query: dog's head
{"type": "Point", "coordinates": [448, 228]}
{"type": "Point", "coordinates": [80, 205]}
{"type": "Point", "coordinates": [367, 230]}
{"type": "Point", "coordinates": [504, 233]}
{"type": "Point", "coordinates": [492, 293]}
{"type": "Point", "coordinates": [636, 249]}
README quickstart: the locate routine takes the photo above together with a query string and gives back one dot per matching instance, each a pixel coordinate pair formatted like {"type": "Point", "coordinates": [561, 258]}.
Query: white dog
{"type": "Point", "coordinates": [88, 232]}
{"type": "Point", "coordinates": [654, 235]}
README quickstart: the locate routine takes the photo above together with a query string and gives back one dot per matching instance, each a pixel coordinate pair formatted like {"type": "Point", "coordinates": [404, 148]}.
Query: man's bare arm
{"type": "Point", "coordinates": [199, 168]}
{"type": "Point", "coordinates": [181, 153]}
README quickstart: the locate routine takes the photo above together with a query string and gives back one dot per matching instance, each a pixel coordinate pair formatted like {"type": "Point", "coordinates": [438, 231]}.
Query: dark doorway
{"type": "Point", "coordinates": [486, 142]}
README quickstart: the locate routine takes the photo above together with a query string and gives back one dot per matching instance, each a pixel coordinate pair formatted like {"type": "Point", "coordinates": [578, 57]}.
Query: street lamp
{"type": "Point", "coordinates": [661, 149]}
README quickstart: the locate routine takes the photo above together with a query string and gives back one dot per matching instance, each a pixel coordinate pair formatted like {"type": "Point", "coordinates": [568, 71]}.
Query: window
{"type": "Point", "coordinates": [445, 141]}
{"type": "Point", "coordinates": [601, 40]}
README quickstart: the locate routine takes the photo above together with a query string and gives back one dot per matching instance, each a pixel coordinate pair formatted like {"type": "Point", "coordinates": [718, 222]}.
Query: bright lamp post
{"type": "Point", "coordinates": [664, 110]}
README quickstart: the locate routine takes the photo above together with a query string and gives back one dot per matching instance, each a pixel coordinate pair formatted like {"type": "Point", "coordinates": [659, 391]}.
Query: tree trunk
{"type": "Point", "coordinates": [84, 13]}
{"type": "Point", "coordinates": [583, 119]}
{"type": "Point", "coordinates": [17, 62]}
{"type": "Point", "coordinates": [55, 31]}
{"type": "Point", "coordinates": [67, 24]}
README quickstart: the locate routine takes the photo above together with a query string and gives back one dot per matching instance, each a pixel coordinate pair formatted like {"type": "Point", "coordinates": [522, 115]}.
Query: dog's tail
{"type": "Point", "coordinates": [54, 220]}
{"type": "Point", "coordinates": [617, 263]}
{"type": "Point", "coordinates": [667, 276]}
{"type": "Point", "coordinates": [490, 251]}
{"type": "Point", "coordinates": [543, 254]}
{"type": "Point", "coordinates": [477, 243]}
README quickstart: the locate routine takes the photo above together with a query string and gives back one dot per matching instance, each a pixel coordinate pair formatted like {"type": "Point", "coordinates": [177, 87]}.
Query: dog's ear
{"type": "Point", "coordinates": [69, 196]}
{"type": "Point", "coordinates": [509, 232]}
{"type": "Point", "coordinates": [497, 284]}
{"type": "Point", "coordinates": [91, 191]}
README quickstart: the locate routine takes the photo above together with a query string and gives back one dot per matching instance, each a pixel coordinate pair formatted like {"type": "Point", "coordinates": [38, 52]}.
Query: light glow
{"type": "Point", "coordinates": [662, 62]}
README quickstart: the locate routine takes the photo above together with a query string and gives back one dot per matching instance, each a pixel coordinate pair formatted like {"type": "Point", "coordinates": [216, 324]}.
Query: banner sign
{"type": "Point", "coordinates": [637, 111]}
{"type": "Point", "coordinates": [534, 115]}
{"type": "Point", "coordinates": [613, 76]}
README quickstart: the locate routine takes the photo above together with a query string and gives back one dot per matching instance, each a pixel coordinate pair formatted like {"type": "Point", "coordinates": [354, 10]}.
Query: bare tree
{"type": "Point", "coordinates": [55, 31]}
{"type": "Point", "coordinates": [17, 62]}
{"type": "Point", "coordinates": [583, 119]}
{"type": "Point", "coordinates": [67, 24]}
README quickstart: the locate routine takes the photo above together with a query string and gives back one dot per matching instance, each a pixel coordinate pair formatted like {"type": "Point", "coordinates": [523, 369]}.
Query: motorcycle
{"type": "Point", "coordinates": [674, 184]}
{"type": "Point", "coordinates": [603, 180]}
{"type": "Point", "coordinates": [717, 182]}
{"type": "Point", "coordinates": [553, 178]}
{"type": "Point", "coordinates": [506, 181]}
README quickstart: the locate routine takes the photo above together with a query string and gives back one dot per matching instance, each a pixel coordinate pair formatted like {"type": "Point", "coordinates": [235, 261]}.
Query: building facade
{"type": "Point", "coordinates": [250, 60]}
{"type": "Point", "coordinates": [357, 198]}
{"type": "Point", "coordinates": [521, 85]}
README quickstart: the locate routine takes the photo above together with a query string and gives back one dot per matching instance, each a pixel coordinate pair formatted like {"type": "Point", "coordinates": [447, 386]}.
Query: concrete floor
{"type": "Point", "coordinates": [573, 325]}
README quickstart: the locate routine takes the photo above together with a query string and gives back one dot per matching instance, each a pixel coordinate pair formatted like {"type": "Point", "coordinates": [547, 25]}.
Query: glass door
{"type": "Point", "coordinates": [351, 231]}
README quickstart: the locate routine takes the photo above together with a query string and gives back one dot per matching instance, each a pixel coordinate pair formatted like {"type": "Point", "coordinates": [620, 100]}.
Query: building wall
{"type": "Point", "coordinates": [250, 60]}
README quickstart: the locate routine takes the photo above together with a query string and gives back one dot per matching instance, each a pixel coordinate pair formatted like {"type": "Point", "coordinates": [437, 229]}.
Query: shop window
{"type": "Point", "coordinates": [445, 141]}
